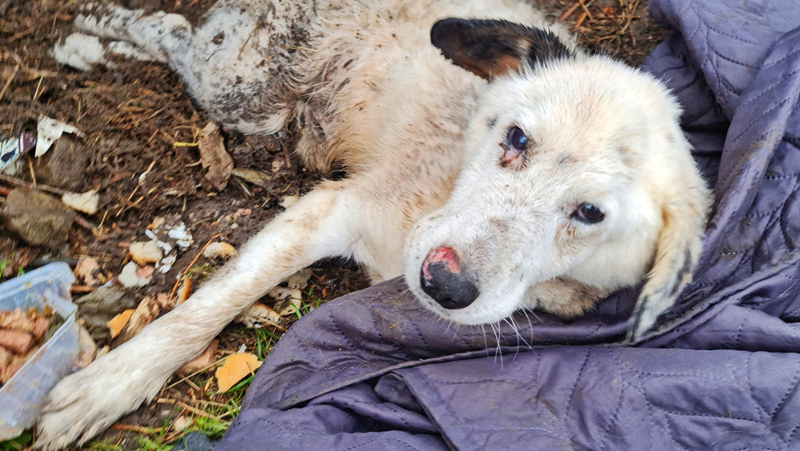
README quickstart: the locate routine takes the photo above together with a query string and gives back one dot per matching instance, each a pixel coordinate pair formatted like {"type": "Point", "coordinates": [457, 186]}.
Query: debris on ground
{"type": "Point", "coordinates": [214, 157]}
{"type": "Point", "coordinates": [13, 148]}
{"type": "Point", "coordinates": [132, 276]}
{"type": "Point", "coordinates": [236, 367]}
{"type": "Point", "coordinates": [219, 249]}
{"type": "Point", "coordinates": [100, 307]}
{"type": "Point", "coordinates": [37, 218]}
{"type": "Point", "coordinates": [85, 203]}
{"type": "Point", "coordinates": [258, 315]}
{"type": "Point", "coordinates": [118, 322]}
{"type": "Point", "coordinates": [254, 176]}
{"type": "Point", "coordinates": [145, 313]}
{"type": "Point", "coordinates": [144, 253]}
{"type": "Point", "coordinates": [181, 234]}
{"type": "Point", "coordinates": [88, 273]}
{"type": "Point", "coordinates": [64, 165]}
{"type": "Point", "coordinates": [48, 130]}
{"type": "Point", "coordinates": [21, 335]}
{"type": "Point", "coordinates": [14, 261]}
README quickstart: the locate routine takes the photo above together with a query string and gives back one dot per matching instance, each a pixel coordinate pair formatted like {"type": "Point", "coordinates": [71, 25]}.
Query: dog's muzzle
{"type": "Point", "coordinates": [443, 279]}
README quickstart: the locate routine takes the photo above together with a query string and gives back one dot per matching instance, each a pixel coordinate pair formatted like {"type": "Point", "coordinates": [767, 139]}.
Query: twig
{"type": "Point", "coordinates": [17, 182]}
{"type": "Point", "coordinates": [586, 9]}
{"type": "Point", "coordinates": [569, 12]}
{"type": "Point", "coordinates": [8, 83]}
{"type": "Point", "coordinates": [134, 428]}
{"type": "Point", "coordinates": [201, 370]}
{"type": "Point", "coordinates": [196, 257]}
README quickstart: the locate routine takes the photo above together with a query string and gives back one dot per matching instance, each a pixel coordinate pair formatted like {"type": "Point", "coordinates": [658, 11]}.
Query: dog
{"type": "Point", "coordinates": [490, 161]}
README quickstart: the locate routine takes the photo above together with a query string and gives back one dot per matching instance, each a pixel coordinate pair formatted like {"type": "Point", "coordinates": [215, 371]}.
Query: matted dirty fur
{"type": "Point", "coordinates": [490, 161]}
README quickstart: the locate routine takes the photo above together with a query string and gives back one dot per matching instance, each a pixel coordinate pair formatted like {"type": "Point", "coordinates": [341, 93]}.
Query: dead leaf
{"type": "Point", "coordinates": [204, 360]}
{"type": "Point", "coordinates": [147, 311]}
{"type": "Point", "coordinates": [85, 272]}
{"type": "Point", "coordinates": [145, 252]}
{"type": "Point", "coordinates": [132, 276]}
{"type": "Point", "coordinates": [214, 157]}
{"type": "Point", "coordinates": [185, 290]}
{"type": "Point", "coordinates": [88, 348]}
{"type": "Point", "coordinates": [219, 250]}
{"type": "Point", "coordinates": [254, 176]}
{"type": "Point", "coordinates": [236, 367]}
{"type": "Point", "coordinates": [258, 314]}
{"type": "Point", "coordinates": [86, 202]}
{"type": "Point", "coordinates": [118, 322]}
{"type": "Point", "coordinates": [182, 422]}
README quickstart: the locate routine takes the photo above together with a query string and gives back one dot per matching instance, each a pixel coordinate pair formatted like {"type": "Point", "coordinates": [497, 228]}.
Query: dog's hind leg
{"type": "Point", "coordinates": [238, 65]}
{"type": "Point", "coordinates": [321, 224]}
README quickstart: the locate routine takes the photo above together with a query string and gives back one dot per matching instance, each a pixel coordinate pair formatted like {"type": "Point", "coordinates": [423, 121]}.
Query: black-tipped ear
{"type": "Point", "coordinates": [493, 48]}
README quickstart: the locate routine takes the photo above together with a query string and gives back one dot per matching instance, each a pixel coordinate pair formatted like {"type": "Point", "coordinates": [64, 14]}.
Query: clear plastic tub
{"type": "Point", "coordinates": [21, 398]}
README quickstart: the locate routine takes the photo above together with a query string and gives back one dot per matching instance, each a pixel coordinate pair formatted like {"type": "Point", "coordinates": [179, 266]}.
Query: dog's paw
{"type": "Point", "coordinates": [87, 402]}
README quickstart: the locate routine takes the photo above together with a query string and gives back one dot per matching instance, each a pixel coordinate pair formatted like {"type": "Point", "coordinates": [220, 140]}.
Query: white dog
{"type": "Point", "coordinates": [490, 161]}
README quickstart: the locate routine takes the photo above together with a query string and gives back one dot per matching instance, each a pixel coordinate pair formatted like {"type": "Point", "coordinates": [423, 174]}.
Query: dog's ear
{"type": "Point", "coordinates": [492, 48]}
{"type": "Point", "coordinates": [678, 249]}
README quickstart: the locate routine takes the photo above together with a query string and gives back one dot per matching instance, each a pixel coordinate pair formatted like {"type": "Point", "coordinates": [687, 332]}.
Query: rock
{"type": "Point", "coordinates": [101, 306]}
{"type": "Point", "coordinates": [37, 218]}
{"type": "Point", "coordinates": [64, 165]}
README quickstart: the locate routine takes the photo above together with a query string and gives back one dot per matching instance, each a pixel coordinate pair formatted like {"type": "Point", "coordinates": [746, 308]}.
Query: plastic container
{"type": "Point", "coordinates": [21, 398]}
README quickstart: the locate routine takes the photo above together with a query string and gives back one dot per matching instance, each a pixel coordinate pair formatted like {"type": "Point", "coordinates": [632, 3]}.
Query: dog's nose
{"type": "Point", "coordinates": [442, 279]}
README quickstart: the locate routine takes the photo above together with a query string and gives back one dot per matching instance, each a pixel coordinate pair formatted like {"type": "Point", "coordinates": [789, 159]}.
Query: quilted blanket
{"type": "Point", "coordinates": [374, 371]}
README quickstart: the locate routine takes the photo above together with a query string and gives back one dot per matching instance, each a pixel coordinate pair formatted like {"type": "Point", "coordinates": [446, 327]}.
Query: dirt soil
{"type": "Point", "coordinates": [137, 119]}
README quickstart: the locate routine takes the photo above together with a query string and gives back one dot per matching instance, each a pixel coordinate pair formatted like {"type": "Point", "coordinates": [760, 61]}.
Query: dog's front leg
{"type": "Point", "coordinates": [320, 225]}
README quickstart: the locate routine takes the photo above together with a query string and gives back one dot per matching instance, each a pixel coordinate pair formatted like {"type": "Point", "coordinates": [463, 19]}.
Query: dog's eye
{"type": "Point", "coordinates": [516, 139]}
{"type": "Point", "coordinates": [588, 213]}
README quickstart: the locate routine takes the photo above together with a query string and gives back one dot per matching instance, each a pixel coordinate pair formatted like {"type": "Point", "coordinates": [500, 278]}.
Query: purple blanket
{"type": "Point", "coordinates": [374, 371]}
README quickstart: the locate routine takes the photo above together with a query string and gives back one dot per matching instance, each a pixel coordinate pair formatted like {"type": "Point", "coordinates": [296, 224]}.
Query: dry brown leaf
{"type": "Point", "coordinates": [214, 157]}
{"type": "Point", "coordinates": [202, 361]}
{"type": "Point", "coordinates": [184, 291]}
{"type": "Point", "coordinates": [254, 176]}
{"type": "Point", "coordinates": [258, 313]}
{"type": "Point", "coordinates": [118, 322]}
{"type": "Point", "coordinates": [85, 272]}
{"type": "Point", "coordinates": [219, 250]}
{"type": "Point", "coordinates": [144, 253]}
{"type": "Point", "coordinates": [236, 367]}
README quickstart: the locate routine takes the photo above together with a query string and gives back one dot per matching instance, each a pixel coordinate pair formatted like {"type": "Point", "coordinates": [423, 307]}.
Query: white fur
{"type": "Point", "coordinates": [413, 130]}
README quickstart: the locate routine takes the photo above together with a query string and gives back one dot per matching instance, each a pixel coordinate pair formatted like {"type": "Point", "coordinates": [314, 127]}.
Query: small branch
{"type": "Point", "coordinates": [22, 183]}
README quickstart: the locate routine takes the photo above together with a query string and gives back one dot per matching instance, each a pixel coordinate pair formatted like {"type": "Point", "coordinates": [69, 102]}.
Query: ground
{"type": "Point", "coordinates": [137, 119]}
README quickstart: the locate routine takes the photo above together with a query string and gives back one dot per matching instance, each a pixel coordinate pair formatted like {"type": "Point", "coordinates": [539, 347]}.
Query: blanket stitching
{"type": "Point", "coordinates": [739, 329]}
{"type": "Point", "coordinates": [792, 387]}
{"type": "Point", "coordinates": [750, 388]}
{"type": "Point", "coordinates": [575, 384]}
{"type": "Point", "coordinates": [606, 434]}
{"type": "Point", "coordinates": [767, 90]}
{"type": "Point", "coordinates": [725, 34]}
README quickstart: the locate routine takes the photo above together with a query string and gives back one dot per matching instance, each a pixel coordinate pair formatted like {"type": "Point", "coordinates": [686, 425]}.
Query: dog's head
{"type": "Point", "coordinates": [575, 172]}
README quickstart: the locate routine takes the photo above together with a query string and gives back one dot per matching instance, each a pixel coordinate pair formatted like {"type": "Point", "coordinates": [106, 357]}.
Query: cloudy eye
{"type": "Point", "coordinates": [516, 139]}
{"type": "Point", "coordinates": [588, 214]}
